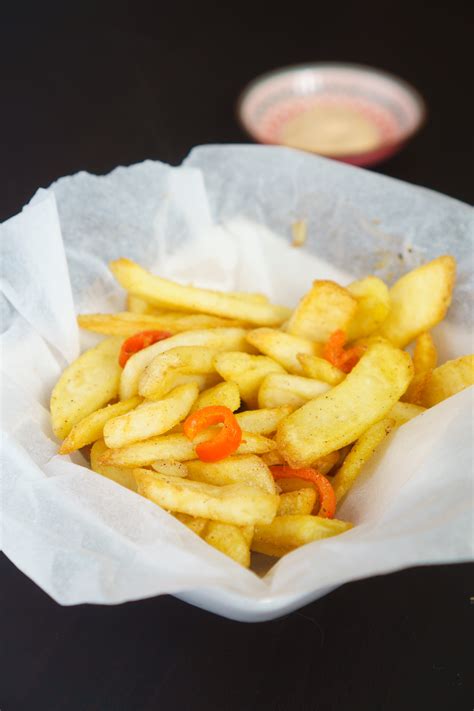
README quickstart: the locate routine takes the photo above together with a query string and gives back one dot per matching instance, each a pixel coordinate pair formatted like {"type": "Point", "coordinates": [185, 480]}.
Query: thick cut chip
{"type": "Point", "coordinates": [360, 453]}
{"type": "Point", "coordinates": [327, 307]}
{"type": "Point", "coordinates": [178, 447]}
{"type": "Point", "coordinates": [248, 469]}
{"type": "Point", "coordinates": [197, 525]}
{"type": "Point", "coordinates": [283, 347]}
{"type": "Point", "coordinates": [320, 369]}
{"type": "Point", "coordinates": [228, 539]}
{"type": "Point", "coordinates": [225, 394]}
{"type": "Point", "coordinates": [294, 484]}
{"type": "Point", "coordinates": [90, 382]}
{"type": "Point", "coordinates": [91, 428]}
{"type": "Point", "coordinates": [414, 392]}
{"type": "Point", "coordinates": [425, 355]}
{"type": "Point", "coordinates": [128, 323]}
{"type": "Point", "coordinates": [140, 306]}
{"type": "Point", "coordinates": [264, 421]}
{"type": "Point", "coordinates": [279, 390]}
{"type": "Point", "coordinates": [272, 458]}
{"type": "Point", "coordinates": [340, 416]}
{"type": "Point", "coordinates": [247, 371]}
{"type": "Point", "coordinates": [151, 418]}
{"type": "Point", "coordinates": [449, 379]}
{"type": "Point", "coordinates": [373, 306]}
{"type": "Point", "coordinates": [121, 475]}
{"type": "Point", "coordinates": [419, 300]}
{"type": "Point", "coordinates": [220, 339]}
{"type": "Point", "coordinates": [158, 377]}
{"type": "Point", "coordinates": [403, 412]}
{"type": "Point", "coordinates": [170, 467]}
{"type": "Point", "coordinates": [240, 504]}
{"type": "Point", "coordinates": [300, 501]}
{"type": "Point", "coordinates": [290, 532]}
{"type": "Point", "coordinates": [165, 293]}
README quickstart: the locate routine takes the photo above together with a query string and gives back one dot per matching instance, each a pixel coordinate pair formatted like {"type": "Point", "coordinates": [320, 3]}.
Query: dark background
{"type": "Point", "coordinates": [127, 82]}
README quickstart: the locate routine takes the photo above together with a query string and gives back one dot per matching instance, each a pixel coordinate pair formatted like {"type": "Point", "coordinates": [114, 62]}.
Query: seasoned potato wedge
{"type": "Point", "coordinates": [197, 525]}
{"type": "Point", "coordinates": [403, 412]}
{"type": "Point", "coordinates": [89, 383]}
{"type": "Point", "coordinates": [247, 371]}
{"type": "Point", "coordinates": [220, 339]}
{"type": "Point", "coordinates": [326, 308]}
{"type": "Point", "coordinates": [226, 394]}
{"type": "Point", "coordinates": [230, 540]}
{"type": "Point", "coordinates": [289, 532]}
{"type": "Point", "coordinates": [150, 418]}
{"type": "Point", "coordinates": [419, 300]}
{"type": "Point", "coordinates": [158, 377]}
{"type": "Point", "coordinates": [248, 469]}
{"type": "Point", "coordinates": [121, 475]}
{"type": "Point", "coordinates": [283, 347]}
{"type": "Point", "coordinates": [320, 369]}
{"type": "Point", "coordinates": [264, 421]}
{"type": "Point", "coordinates": [280, 390]}
{"type": "Point", "coordinates": [240, 504]}
{"type": "Point", "coordinates": [300, 501]}
{"type": "Point", "coordinates": [449, 379]}
{"type": "Point", "coordinates": [340, 416]}
{"type": "Point", "coordinates": [164, 293]}
{"type": "Point", "coordinates": [170, 467]}
{"type": "Point", "coordinates": [127, 323]}
{"type": "Point", "coordinates": [373, 307]}
{"type": "Point", "coordinates": [425, 355]}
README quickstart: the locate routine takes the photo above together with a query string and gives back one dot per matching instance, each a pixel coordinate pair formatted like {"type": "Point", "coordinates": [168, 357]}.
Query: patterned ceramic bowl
{"type": "Point", "coordinates": [350, 112]}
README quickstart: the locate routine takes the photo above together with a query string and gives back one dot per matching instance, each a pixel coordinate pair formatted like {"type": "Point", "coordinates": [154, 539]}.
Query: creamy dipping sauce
{"type": "Point", "coordinates": [331, 130]}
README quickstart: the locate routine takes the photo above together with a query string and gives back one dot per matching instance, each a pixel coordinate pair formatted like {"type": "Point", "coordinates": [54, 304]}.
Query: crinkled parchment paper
{"type": "Point", "coordinates": [222, 220]}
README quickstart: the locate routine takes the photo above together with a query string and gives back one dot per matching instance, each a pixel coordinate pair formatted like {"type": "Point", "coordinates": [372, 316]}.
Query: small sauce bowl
{"type": "Point", "coordinates": [350, 112]}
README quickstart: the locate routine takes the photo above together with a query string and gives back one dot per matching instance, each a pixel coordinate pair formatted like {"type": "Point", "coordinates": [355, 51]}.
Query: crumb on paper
{"type": "Point", "coordinates": [299, 230]}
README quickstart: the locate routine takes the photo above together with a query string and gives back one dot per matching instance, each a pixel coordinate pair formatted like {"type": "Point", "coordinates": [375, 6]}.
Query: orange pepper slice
{"type": "Point", "coordinates": [327, 497]}
{"type": "Point", "coordinates": [138, 342]}
{"type": "Point", "coordinates": [335, 353]}
{"type": "Point", "coordinates": [227, 439]}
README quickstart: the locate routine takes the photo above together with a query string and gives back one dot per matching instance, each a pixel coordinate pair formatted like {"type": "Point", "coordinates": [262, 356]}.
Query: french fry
{"type": "Point", "coordinates": [419, 300]}
{"type": "Point", "coordinates": [197, 525]}
{"type": "Point", "coordinates": [179, 448]}
{"type": "Point", "coordinates": [247, 371]}
{"type": "Point", "coordinates": [300, 501]}
{"type": "Point", "coordinates": [425, 355]}
{"type": "Point", "coordinates": [360, 453]}
{"type": "Point", "coordinates": [89, 383]}
{"type": "Point", "coordinates": [220, 339]}
{"type": "Point", "coordinates": [158, 377]}
{"type": "Point", "coordinates": [448, 379]}
{"type": "Point", "coordinates": [230, 540]}
{"type": "Point", "coordinates": [248, 469]}
{"type": "Point", "coordinates": [140, 306]}
{"type": "Point", "coordinates": [326, 308]}
{"type": "Point", "coordinates": [340, 416]}
{"type": "Point", "coordinates": [320, 369]}
{"type": "Point", "coordinates": [416, 388]}
{"type": "Point", "coordinates": [283, 347]}
{"type": "Point", "coordinates": [150, 419]}
{"type": "Point", "coordinates": [373, 307]}
{"type": "Point", "coordinates": [91, 428]}
{"type": "Point", "coordinates": [403, 412]}
{"type": "Point", "coordinates": [226, 394]}
{"type": "Point", "coordinates": [170, 468]}
{"type": "Point", "coordinates": [264, 421]}
{"type": "Point", "coordinates": [240, 504]}
{"type": "Point", "coordinates": [165, 293]}
{"type": "Point", "coordinates": [289, 532]}
{"type": "Point", "coordinates": [280, 390]}
{"type": "Point", "coordinates": [127, 323]}
{"type": "Point", "coordinates": [272, 458]}
{"type": "Point", "coordinates": [121, 475]}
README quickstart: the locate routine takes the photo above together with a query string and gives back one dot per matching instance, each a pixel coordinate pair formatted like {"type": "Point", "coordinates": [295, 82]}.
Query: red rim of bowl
{"type": "Point", "coordinates": [385, 149]}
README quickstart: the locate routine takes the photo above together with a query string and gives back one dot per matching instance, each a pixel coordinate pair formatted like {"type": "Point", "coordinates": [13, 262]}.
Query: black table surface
{"type": "Point", "coordinates": [90, 92]}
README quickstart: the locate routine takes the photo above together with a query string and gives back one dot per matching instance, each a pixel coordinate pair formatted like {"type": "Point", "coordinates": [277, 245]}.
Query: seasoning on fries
{"type": "Point", "coordinates": [247, 421]}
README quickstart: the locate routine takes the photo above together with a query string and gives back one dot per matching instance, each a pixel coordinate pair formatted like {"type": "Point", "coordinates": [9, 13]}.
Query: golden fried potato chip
{"type": "Point", "coordinates": [341, 415]}
{"type": "Point", "coordinates": [150, 419]}
{"type": "Point", "coordinates": [121, 475]}
{"type": "Point", "coordinates": [264, 421]}
{"type": "Point", "coordinates": [373, 306]}
{"type": "Point", "coordinates": [419, 300]}
{"type": "Point", "coordinates": [449, 379]}
{"type": "Point", "coordinates": [247, 371]}
{"type": "Point", "coordinates": [280, 390]}
{"type": "Point", "coordinates": [158, 377]}
{"type": "Point", "coordinates": [91, 428]}
{"type": "Point", "coordinates": [290, 532]}
{"type": "Point", "coordinates": [320, 369]}
{"type": "Point", "coordinates": [283, 347]}
{"type": "Point", "coordinates": [197, 525]}
{"type": "Point", "coordinates": [360, 453]}
{"type": "Point", "coordinates": [226, 394]}
{"type": "Point", "coordinates": [170, 467]}
{"type": "Point", "coordinates": [247, 468]}
{"type": "Point", "coordinates": [403, 412]}
{"type": "Point", "coordinates": [326, 308]}
{"type": "Point", "coordinates": [89, 383]}
{"type": "Point", "coordinates": [164, 293]}
{"type": "Point", "coordinates": [127, 323]}
{"type": "Point", "coordinates": [299, 501]}
{"type": "Point", "coordinates": [425, 355]}
{"type": "Point", "coordinates": [414, 392]}
{"type": "Point", "coordinates": [228, 539]}
{"type": "Point", "coordinates": [240, 504]}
